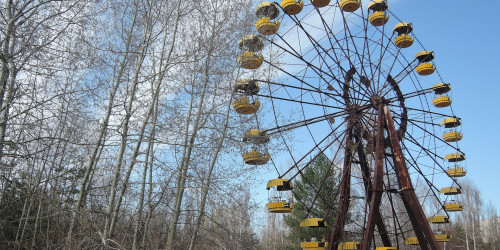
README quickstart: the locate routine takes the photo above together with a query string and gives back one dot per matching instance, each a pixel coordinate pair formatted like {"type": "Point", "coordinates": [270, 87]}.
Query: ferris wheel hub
{"type": "Point", "coordinates": [376, 101]}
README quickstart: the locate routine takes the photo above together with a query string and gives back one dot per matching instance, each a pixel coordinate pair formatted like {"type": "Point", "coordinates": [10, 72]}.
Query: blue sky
{"type": "Point", "coordinates": [463, 35]}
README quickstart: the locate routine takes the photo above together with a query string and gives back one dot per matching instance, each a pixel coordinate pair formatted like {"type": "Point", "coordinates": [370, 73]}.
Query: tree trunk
{"type": "Point", "coordinates": [93, 159]}
{"type": "Point", "coordinates": [206, 183]}
{"type": "Point", "coordinates": [181, 178]}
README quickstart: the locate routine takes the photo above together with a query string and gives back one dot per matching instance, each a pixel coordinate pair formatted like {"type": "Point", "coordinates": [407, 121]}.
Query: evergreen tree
{"type": "Point", "coordinates": [313, 177]}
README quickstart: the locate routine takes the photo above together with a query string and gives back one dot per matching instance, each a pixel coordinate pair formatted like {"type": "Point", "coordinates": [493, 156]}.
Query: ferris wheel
{"type": "Point", "coordinates": [356, 85]}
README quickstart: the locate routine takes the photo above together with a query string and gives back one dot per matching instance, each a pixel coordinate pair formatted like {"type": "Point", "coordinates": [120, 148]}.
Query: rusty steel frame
{"type": "Point", "coordinates": [375, 195]}
{"type": "Point", "coordinates": [365, 170]}
{"type": "Point", "coordinates": [374, 190]}
{"type": "Point", "coordinates": [417, 216]}
{"type": "Point", "coordinates": [345, 194]}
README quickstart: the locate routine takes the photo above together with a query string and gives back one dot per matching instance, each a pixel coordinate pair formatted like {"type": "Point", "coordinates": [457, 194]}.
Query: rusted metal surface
{"type": "Point", "coordinates": [365, 170]}
{"type": "Point", "coordinates": [345, 194]}
{"type": "Point", "coordinates": [378, 181]}
{"type": "Point", "coordinates": [347, 82]}
{"type": "Point", "coordinates": [403, 123]}
{"type": "Point", "coordinates": [417, 217]}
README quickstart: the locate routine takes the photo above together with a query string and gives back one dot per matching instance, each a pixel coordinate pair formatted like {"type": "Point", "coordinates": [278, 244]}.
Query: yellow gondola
{"type": "Point", "coordinates": [276, 203]}
{"type": "Point", "coordinates": [456, 172]}
{"type": "Point", "coordinates": [411, 241]}
{"type": "Point", "coordinates": [443, 237]}
{"type": "Point", "coordinates": [450, 190]}
{"type": "Point", "coordinates": [251, 43]}
{"type": "Point", "coordinates": [267, 9]}
{"type": "Point", "coordinates": [378, 17]}
{"type": "Point", "coordinates": [320, 3]}
{"type": "Point", "coordinates": [441, 88]}
{"type": "Point", "coordinates": [280, 206]}
{"type": "Point", "coordinates": [441, 101]}
{"type": "Point", "coordinates": [424, 56]}
{"type": "Point", "coordinates": [352, 245]}
{"type": "Point", "coordinates": [453, 206]}
{"type": "Point", "coordinates": [403, 40]}
{"type": "Point", "coordinates": [454, 157]}
{"type": "Point", "coordinates": [292, 7]}
{"type": "Point", "coordinates": [350, 5]}
{"type": "Point", "coordinates": [439, 238]}
{"type": "Point", "coordinates": [243, 106]}
{"type": "Point", "coordinates": [280, 184]}
{"type": "Point", "coordinates": [256, 158]}
{"type": "Point", "coordinates": [386, 248]}
{"type": "Point", "coordinates": [267, 27]}
{"type": "Point", "coordinates": [313, 222]}
{"type": "Point", "coordinates": [246, 87]}
{"type": "Point", "coordinates": [438, 219]}
{"type": "Point", "coordinates": [249, 60]}
{"type": "Point", "coordinates": [453, 136]}
{"type": "Point", "coordinates": [451, 122]}
{"type": "Point", "coordinates": [256, 136]}
{"type": "Point", "coordinates": [425, 69]}
{"type": "Point", "coordinates": [314, 245]}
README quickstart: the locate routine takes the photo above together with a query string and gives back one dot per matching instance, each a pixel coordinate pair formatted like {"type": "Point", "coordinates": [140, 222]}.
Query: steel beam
{"type": "Point", "coordinates": [417, 216]}
{"type": "Point", "coordinates": [378, 181]}
{"type": "Point", "coordinates": [345, 193]}
{"type": "Point", "coordinates": [365, 170]}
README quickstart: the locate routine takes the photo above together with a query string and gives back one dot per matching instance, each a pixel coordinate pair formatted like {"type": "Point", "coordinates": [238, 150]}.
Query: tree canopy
{"type": "Point", "coordinates": [318, 176]}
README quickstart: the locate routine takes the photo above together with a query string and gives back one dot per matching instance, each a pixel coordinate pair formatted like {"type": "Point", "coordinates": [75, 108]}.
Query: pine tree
{"type": "Point", "coordinates": [320, 173]}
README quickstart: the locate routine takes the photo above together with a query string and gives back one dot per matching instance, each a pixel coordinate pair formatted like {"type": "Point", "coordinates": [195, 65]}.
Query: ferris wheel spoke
{"type": "Point", "coordinates": [398, 78]}
{"type": "Point", "coordinates": [318, 91]}
{"type": "Point", "coordinates": [429, 183]}
{"type": "Point", "coordinates": [415, 121]}
{"type": "Point", "coordinates": [429, 154]}
{"type": "Point", "coordinates": [317, 194]}
{"type": "Point", "coordinates": [329, 204]}
{"type": "Point", "coordinates": [390, 190]}
{"type": "Point", "coordinates": [383, 50]}
{"type": "Point", "coordinates": [297, 101]}
{"type": "Point", "coordinates": [332, 199]}
{"type": "Point", "coordinates": [298, 55]}
{"type": "Point", "coordinates": [305, 83]}
{"type": "Point", "coordinates": [349, 39]}
{"type": "Point", "coordinates": [316, 147]}
{"type": "Point", "coordinates": [421, 110]}
{"type": "Point", "coordinates": [332, 165]}
{"type": "Point", "coordinates": [436, 137]}
{"type": "Point", "coordinates": [413, 94]}
{"type": "Point", "coordinates": [331, 35]}
{"type": "Point", "coordinates": [345, 186]}
{"type": "Point", "coordinates": [318, 45]}
{"type": "Point", "coordinates": [401, 224]}
{"type": "Point", "coordinates": [416, 165]}
{"type": "Point", "coordinates": [406, 71]}
{"type": "Point", "coordinates": [367, 53]}
{"type": "Point", "coordinates": [305, 122]}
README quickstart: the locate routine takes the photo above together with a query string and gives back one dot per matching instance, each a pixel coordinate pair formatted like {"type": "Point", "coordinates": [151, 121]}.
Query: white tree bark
{"type": "Point", "coordinates": [206, 181]}
{"type": "Point", "coordinates": [102, 131]}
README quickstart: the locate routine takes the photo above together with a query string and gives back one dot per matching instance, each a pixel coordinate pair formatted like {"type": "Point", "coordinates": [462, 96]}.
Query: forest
{"type": "Point", "coordinates": [117, 131]}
